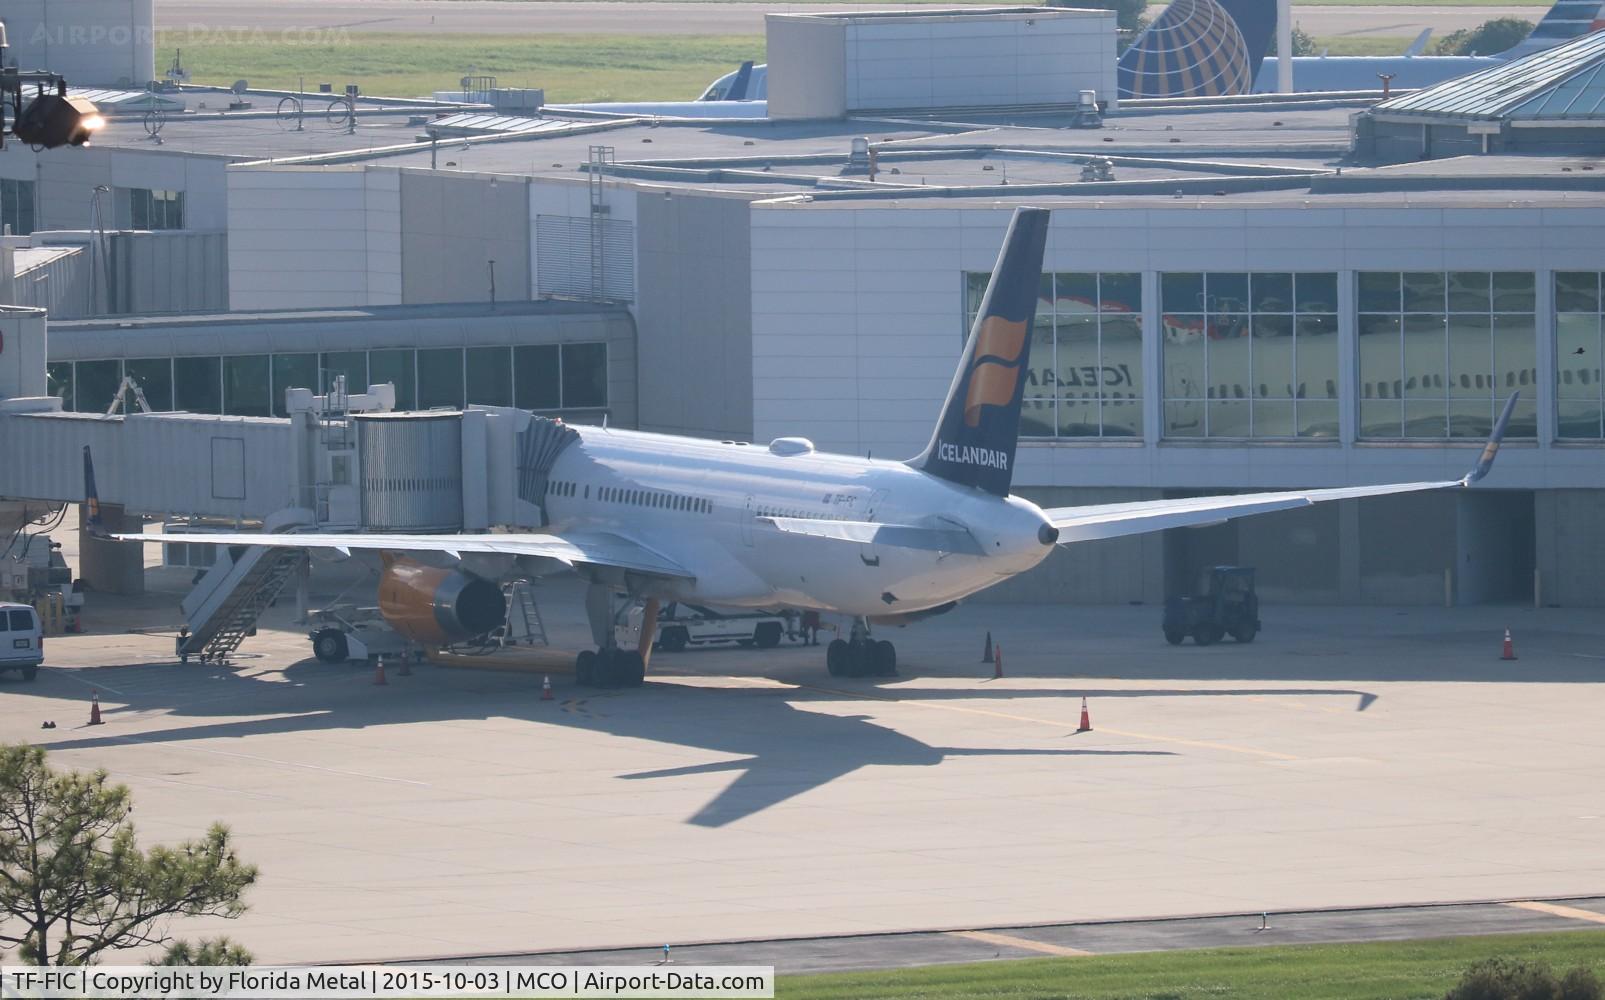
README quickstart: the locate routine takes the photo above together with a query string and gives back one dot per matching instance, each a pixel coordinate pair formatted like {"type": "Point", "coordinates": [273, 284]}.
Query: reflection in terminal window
{"type": "Point", "coordinates": [548, 378]}
{"type": "Point", "coordinates": [1579, 402]}
{"type": "Point", "coordinates": [1085, 376]}
{"type": "Point", "coordinates": [1249, 355]}
{"type": "Point", "coordinates": [1441, 351]}
{"type": "Point", "coordinates": [155, 209]}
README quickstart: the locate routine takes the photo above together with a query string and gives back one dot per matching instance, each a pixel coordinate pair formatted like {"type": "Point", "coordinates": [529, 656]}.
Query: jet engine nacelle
{"type": "Point", "coordinates": [434, 607]}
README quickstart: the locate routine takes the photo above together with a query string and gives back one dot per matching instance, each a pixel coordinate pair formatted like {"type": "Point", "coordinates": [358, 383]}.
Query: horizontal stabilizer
{"type": "Point", "coordinates": [905, 536]}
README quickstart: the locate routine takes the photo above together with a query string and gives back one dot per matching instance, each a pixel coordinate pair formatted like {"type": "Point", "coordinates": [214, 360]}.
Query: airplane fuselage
{"type": "Point", "coordinates": [704, 505]}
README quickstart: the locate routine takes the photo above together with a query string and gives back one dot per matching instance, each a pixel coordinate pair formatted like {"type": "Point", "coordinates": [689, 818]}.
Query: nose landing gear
{"type": "Point", "coordinates": [861, 656]}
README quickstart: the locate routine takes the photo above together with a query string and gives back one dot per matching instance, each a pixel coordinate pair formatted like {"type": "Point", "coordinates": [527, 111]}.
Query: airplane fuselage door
{"type": "Point", "coordinates": [747, 518]}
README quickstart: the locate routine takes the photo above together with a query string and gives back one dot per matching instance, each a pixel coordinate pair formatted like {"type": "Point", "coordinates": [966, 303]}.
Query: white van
{"type": "Point", "coordinates": [22, 644]}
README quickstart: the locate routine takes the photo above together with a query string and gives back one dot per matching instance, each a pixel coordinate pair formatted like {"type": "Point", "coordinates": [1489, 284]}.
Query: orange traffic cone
{"type": "Point", "coordinates": [986, 651]}
{"type": "Point", "coordinates": [379, 673]}
{"type": "Point", "coordinates": [1509, 652]}
{"type": "Point", "coordinates": [1086, 720]}
{"type": "Point", "coordinates": [94, 709]}
{"type": "Point", "coordinates": [546, 688]}
{"type": "Point", "coordinates": [997, 661]}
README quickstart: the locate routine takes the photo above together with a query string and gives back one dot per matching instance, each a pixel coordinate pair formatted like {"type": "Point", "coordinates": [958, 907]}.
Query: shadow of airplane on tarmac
{"type": "Point", "coordinates": [779, 748]}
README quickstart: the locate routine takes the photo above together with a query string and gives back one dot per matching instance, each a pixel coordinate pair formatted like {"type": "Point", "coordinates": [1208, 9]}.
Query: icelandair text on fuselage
{"type": "Point", "coordinates": [967, 454]}
{"type": "Point", "coordinates": [375, 982]}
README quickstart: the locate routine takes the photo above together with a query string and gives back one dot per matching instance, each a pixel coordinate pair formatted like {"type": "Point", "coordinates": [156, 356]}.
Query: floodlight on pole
{"type": "Point", "coordinates": [51, 119]}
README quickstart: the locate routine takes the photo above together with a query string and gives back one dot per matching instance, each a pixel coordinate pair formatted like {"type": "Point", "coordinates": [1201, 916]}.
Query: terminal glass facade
{"type": "Point", "coordinates": [1440, 352]}
{"type": "Point", "coordinates": [1579, 338]}
{"type": "Point", "coordinates": [16, 206]}
{"type": "Point", "coordinates": [550, 377]}
{"type": "Point", "coordinates": [1085, 376]}
{"type": "Point", "coordinates": [1250, 355]}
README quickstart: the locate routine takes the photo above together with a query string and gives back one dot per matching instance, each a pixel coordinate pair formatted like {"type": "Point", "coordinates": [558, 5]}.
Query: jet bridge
{"type": "Point", "coordinates": [339, 461]}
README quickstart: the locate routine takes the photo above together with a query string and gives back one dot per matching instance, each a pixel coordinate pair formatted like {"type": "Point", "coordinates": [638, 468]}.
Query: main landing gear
{"type": "Point", "coordinates": [623, 668]}
{"type": "Point", "coordinates": [861, 656]}
{"type": "Point", "coordinates": [609, 665]}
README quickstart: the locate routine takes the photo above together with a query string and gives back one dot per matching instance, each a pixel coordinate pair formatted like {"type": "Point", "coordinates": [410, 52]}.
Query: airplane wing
{"type": "Point", "coordinates": [1081, 524]}
{"type": "Point", "coordinates": [598, 548]}
{"type": "Point", "coordinates": [908, 536]}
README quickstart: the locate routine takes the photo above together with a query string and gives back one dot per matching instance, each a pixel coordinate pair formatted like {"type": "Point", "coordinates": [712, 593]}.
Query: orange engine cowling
{"type": "Point", "coordinates": [435, 606]}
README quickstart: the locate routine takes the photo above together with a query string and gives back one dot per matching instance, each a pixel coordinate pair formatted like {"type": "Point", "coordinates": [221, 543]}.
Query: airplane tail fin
{"type": "Point", "coordinates": [1199, 48]}
{"type": "Point", "coordinates": [1566, 20]}
{"type": "Point", "coordinates": [1419, 46]}
{"type": "Point", "coordinates": [979, 428]}
{"type": "Point", "coordinates": [95, 526]}
{"type": "Point", "coordinates": [738, 86]}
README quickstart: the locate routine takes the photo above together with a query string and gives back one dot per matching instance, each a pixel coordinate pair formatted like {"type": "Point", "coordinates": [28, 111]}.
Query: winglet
{"type": "Point", "coordinates": [94, 525]}
{"type": "Point", "coordinates": [1490, 451]}
{"type": "Point", "coordinates": [1419, 46]}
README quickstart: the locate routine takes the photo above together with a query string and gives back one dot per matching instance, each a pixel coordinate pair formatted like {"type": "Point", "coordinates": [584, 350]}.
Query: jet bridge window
{"type": "Point", "coordinates": [1579, 340]}
{"type": "Point", "coordinates": [1440, 352]}
{"type": "Point", "coordinates": [1085, 377]}
{"type": "Point", "coordinates": [1249, 355]}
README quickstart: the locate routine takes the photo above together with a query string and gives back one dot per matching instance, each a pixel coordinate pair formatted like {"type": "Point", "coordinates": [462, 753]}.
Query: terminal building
{"type": "Point", "coordinates": [1239, 294]}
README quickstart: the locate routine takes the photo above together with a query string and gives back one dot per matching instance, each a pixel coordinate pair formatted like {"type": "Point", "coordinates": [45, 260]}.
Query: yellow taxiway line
{"type": "Point", "coordinates": [1010, 941]}
{"type": "Point", "coordinates": [1557, 910]}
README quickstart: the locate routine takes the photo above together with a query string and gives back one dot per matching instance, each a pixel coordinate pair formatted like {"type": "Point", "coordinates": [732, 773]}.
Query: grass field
{"type": "Point", "coordinates": [1386, 971]}
{"type": "Point", "coordinates": [570, 67]}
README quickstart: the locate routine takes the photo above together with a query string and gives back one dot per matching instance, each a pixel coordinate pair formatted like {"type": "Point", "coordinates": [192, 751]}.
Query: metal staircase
{"type": "Point", "coordinates": [524, 625]}
{"type": "Point", "coordinates": [224, 606]}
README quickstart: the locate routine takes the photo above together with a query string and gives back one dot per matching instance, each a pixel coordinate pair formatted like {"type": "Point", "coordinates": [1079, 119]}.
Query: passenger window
{"type": "Point", "coordinates": [21, 620]}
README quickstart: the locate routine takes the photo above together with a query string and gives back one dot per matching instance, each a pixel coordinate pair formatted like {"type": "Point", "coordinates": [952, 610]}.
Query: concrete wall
{"type": "Point", "coordinates": [807, 67]}
{"type": "Point", "coordinates": [826, 66]}
{"type": "Point", "coordinates": [22, 352]}
{"type": "Point", "coordinates": [695, 315]}
{"type": "Point", "coordinates": [314, 238]}
{"type": "Point", "coordinates": [1571, 547]}
{"type": "Point", "coordinates": [66, 181]}
{"type": "Point", "coordinates": [452, 225]}
{"type": "Point", "coordinates": [93, 43]}
{"type": "Point", "coordinates": [1040, 57]}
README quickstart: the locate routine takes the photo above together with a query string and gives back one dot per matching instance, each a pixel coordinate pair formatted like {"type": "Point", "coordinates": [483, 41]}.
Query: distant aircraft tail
{"type": "Point", "coordinates": [979, 428]}
{"type": "Point", "coordinates": [1199, 48]}
{"type": "Point", "coordinates": [93, 524]}
{"type": "Point", "coordinates": [1566, 20]}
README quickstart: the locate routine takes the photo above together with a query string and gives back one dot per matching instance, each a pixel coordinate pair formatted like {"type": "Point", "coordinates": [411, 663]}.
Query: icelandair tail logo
{"type": "Point", "coordinates": [967, 454]}
{"type": "Point", "coordinates": [994, 372]}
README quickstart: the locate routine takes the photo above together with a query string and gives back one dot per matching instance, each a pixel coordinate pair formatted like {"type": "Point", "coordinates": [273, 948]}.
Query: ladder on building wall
{"type": "Point", "coordinates": [524, 625]}
{"type": "Point", "coordinates": [600, 166]}
{"type": "Point", "coordinates": [224, 607]}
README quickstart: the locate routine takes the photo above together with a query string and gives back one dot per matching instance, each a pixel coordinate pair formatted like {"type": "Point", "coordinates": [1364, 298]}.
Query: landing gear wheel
{"type": "Point", "coordinates": [585, 668]}
{"type": "Point", "coordinates": [884, 657]}
{"type": "Point", "coordinates": [1207, 635]}
{"type": "Point", "coordinates": [1245, 633]}
{"type": "Point", "coordinates": [1175, 636]}
{"type": "Point", "coordinates": [768, 635]}
{"type": "Point", "coordinates": [861, 658]}
{"type": "Point", "coordinates": [836, 658]}
{"type": "Point", "coordinates": [330, 646]}
{"type": "Point", "coordinates": [629, 669]}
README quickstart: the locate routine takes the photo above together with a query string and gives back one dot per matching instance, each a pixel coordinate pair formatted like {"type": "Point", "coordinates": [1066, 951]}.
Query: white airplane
{"type": "Point", "coordinates": [663, 518]}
